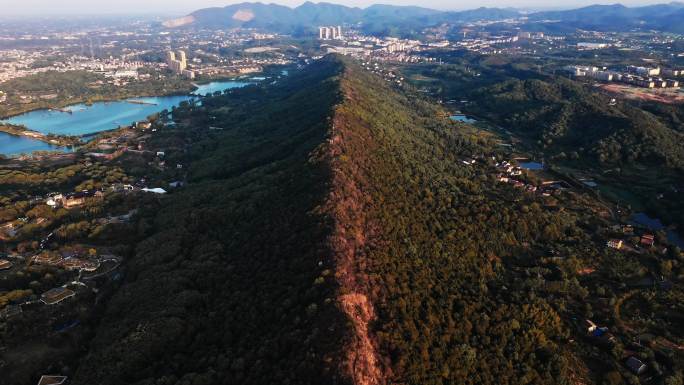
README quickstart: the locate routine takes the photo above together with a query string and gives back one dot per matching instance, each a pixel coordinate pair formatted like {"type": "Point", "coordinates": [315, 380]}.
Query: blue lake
{"type": "Point", "coordinates": [100, 116]}
{"type": "Point", "coordinates": [16, 145]}
{"type": "Point", "coordinates": [203, 89]}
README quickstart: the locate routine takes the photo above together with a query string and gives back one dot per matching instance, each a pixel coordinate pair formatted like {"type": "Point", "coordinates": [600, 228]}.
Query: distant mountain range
{"type": "Point", "coordinates": [389, 18]}
{"type": "Point", "coordinates": [310, 15]}
{"type": "Point", "coordinates": [617, 17]}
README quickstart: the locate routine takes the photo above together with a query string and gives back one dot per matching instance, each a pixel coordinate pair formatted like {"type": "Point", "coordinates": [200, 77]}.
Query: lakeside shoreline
{"type": "Point", "coordinates": [88, 102]}
{"type": "Point", "coordinates": [55, 140]}
{"type": "Point", "coordinates": [20, 127]}
{"type": "Point", "coordinates": [76, 101]}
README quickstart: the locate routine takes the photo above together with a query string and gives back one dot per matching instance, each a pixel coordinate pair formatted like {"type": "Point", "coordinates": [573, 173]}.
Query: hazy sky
{"type": "Point", "coordinates": [42, 7]}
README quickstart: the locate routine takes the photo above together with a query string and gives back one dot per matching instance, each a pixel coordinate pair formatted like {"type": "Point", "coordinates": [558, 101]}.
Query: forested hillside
{"type": "Point", "coordinates": [435, 238]}
{"type": "Point", "coordinates": [563, 116]}
{"type": "Point", "coordinates": [636, 148]}
{"type": "Point", "coordinates": [632, 149]}
{"type": "Point", "coordinates": [234, 284]}
{"type": "Point", "coordinates": [331, 232]}
{"type": "Point", "coordinates": [471, 281]}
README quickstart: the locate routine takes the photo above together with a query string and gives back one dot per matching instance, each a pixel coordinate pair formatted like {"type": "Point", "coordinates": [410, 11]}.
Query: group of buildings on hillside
{"type": "Point", "coordinates": [380, 49]}
{"type": "Point", "coordinates": [639, 76]}
{"type": "Point", "coordinates": [178, 63]}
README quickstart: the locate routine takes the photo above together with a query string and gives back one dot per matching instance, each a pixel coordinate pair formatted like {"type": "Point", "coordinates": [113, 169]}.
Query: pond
{"type": "Point", "coordinates": [531, 165]}
{"type": "Point", "coordinates": [85, 119]}
{"type": "Point", "coordinates": [462, 118]}
{"type": "Point", "coordinates": [655, 225]}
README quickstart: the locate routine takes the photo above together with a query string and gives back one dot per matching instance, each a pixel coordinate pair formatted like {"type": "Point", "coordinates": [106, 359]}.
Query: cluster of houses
{"type": "Point", "coordinates": [66, 261]}
{"type": "Point", "coordinates": [86, 270]}
{"type": "Point", "coordinates": [646, 239]}
{"type": "Point", "coordinates": [9, 230]}
{"type": "Point", "coordinates": [74, 199]}
{"type": "Point", "coordinates": [50, 297]}
{"type": "Point", "coordinates": [377, 69]}
{"type": "Point", "coordinates": [508, 174]}
{"type": "Point", "coordinates": [637, 76]}
{"type": "Point", "coordinates": [71, 261]}
{"type": "Point", "coordinates": [602, 335]}
{"type": "Point", "coordinates": [104, 265]}
{"type": "Point", "coordinates": [111, 147]}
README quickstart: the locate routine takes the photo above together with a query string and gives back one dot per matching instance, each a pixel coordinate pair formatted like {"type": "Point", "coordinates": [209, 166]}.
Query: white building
{"type": "Point", "coordinates": [178, 63]}
{"type": "Point", "coordinates": [585, 45]}
{"type": "Point", "coordinates": [645, 71]}
{"type": "Point", "coordinates": [328, 33]}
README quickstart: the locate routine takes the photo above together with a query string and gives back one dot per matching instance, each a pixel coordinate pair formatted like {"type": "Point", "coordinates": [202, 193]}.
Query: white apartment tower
{"type": "Point", "coordinates": [182, 59]}
{"type": "Point", "coordinates": [327, 33]}
{"type": "Point", "coordinates": [178, 63]}
{"type": "Point", "coordinates": [170, 57]}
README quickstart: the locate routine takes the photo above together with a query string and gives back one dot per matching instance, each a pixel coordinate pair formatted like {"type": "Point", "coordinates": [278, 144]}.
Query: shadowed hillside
{"type": "Point", "coordinates": [331, 233]}
{"type": "Point", "coordinates": [235, 283]}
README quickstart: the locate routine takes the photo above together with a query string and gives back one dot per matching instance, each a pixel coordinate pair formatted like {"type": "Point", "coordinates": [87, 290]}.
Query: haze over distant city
{"type": "Point", "coordinates": [41, 7]}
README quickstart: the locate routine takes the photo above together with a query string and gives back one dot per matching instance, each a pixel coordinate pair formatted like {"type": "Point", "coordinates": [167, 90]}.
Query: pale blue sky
{"type": "Point", "coordinates": [42, 7]}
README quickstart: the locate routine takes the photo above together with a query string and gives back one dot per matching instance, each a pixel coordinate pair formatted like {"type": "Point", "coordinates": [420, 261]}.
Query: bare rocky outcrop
{"type": "Point", "coordinates": [179, 22]}
{"type": "Point", "coordinates": [243, 15]}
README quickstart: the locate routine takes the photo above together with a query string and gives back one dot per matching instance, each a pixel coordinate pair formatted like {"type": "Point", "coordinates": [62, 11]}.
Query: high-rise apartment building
{"type": "Point", "coordinates": [182, 59]}
{"type": "Point", "coordinates": [327, 33]}
{"type": "Point", "coordinates": [170, 57]}
{"type": "Point", "coordinates": [178, 63]}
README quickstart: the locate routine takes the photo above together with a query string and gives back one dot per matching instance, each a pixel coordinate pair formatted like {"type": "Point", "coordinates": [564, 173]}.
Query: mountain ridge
{"type": "Point", "coordinates": [234, 282]}
{"type": "Point", "coordinates": [378, 18]}
{"type": "Point", "coordinates": [619, 17]}
{"type": "Point", "coordinates": [333, 234]}
{"type": "Point", "coordinates": [309, 14]}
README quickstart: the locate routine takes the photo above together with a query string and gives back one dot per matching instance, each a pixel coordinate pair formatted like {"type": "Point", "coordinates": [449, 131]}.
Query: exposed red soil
{"type": "Point", "coordinates": [353, 232]}
{"type": "Point", "coordinates": [653, 95]}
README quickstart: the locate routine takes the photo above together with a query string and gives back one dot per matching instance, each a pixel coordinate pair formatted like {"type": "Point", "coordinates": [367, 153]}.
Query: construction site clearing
{"type": "Point", "coordinates": [667, 96]}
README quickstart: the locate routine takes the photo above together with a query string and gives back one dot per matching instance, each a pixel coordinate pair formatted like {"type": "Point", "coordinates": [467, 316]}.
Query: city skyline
{"type": "Point", "coordinates": [160, 7]}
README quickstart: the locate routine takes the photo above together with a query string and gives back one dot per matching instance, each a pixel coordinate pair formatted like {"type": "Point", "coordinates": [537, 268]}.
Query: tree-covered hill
{"type": "Point", "coordinates": [635, 148]}
{"type": "Point", "coordinates": [330, 232]}
{"type": "Point", "coordinates": [397, 20]}
{"type": "Point", "coordinates": [434, 230]}
{"type": "Point", "coordinates": [617, 17]}
{"type": "Point", "coordinates": [305, 18]}
{"type": "Point", "coordinates": [234, 285]}
{"type": "Point", "coordinates": [562, 115]}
